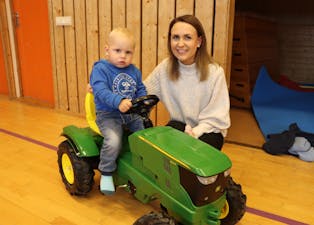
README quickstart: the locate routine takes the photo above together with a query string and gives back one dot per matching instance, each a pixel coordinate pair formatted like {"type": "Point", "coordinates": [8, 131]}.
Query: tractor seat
{"type": "Point", "coordinates": [90, 112]}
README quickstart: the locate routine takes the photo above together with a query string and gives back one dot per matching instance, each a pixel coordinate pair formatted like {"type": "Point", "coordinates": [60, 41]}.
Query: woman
{"type": "Point", "coordinates": [191, 86]}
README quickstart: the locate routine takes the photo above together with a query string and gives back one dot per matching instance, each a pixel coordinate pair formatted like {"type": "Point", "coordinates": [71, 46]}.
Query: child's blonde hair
{"type": "Point", "coordinates": [121, 31]}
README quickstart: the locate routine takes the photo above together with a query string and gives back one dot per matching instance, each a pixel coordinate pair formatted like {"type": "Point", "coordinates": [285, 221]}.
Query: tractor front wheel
{"type": "Point", "coordinates": [77, 174]}
{"type": "Point", "coordinates": [235, 204]}
{"type": "Point", "coordinates": [154, 218]}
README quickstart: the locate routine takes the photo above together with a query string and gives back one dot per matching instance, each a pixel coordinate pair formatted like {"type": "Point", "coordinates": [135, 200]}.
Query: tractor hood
{"type": "Point", "coordinates": [190, 153]}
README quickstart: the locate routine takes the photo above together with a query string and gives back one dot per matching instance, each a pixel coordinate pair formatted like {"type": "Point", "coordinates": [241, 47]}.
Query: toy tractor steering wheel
{"type": "Point", "coordinates": [142, 106]}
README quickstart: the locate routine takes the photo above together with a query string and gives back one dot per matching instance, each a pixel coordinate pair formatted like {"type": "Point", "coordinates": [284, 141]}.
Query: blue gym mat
{"type": "Point", "coordinates": [276, 107]}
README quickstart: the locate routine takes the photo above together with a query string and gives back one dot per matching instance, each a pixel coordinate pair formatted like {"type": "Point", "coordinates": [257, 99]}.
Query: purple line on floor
{"type": "Point", "coordinates": [29, 139]}
{"type": "Point", "coordinates": [274, 217]}
{"type": "Point", "coordinates": [248, 209]}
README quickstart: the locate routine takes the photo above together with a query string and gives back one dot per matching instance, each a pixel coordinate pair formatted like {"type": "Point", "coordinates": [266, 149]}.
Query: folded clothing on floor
{"type": "Point", "coordinates": [292, 141]}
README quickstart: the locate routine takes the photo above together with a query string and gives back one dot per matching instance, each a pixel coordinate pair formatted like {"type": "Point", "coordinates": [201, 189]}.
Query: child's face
{"type": "Point", "coordinates": [120, 51]}
{"type": "Point", "coordinates": [184, 42]}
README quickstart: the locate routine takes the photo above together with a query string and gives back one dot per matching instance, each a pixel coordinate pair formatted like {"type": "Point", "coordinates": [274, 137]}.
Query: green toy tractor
{"type": "Point", "coordinates": [189, 178]}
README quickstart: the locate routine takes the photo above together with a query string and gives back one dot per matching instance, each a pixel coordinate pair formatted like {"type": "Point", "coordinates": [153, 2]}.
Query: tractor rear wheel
{"type": "Point", "coordinates": [76, 173]}
{"type": "Point", "coordinates": [235, 204]}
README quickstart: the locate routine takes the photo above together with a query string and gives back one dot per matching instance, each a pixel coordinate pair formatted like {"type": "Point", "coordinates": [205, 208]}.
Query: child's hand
{"type": "Point", "coordinates": [125, 105]}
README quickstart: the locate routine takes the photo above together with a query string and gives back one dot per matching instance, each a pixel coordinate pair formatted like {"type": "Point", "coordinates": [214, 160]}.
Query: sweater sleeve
{"type": "Point", "coordinates": [152, 82]}
{"type": "Point", "coordinates": [215, 116]}
{"type": "Point", "coordinates": [141, 89]}
{"type": "Point", "coordinates": [101, 89]}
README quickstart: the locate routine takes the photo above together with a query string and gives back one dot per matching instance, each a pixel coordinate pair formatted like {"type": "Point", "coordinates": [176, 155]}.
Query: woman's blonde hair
{"type": "Point", "coordinates": [202, 58]}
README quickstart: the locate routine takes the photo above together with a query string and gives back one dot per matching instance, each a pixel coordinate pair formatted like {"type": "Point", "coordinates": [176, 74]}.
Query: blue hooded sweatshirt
{"type": "Point", "coordinates": [112, 84]}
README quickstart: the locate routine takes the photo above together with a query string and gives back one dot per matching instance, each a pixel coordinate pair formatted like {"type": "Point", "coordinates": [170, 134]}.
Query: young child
{"type": "Point", "coordinates": [115, 82]}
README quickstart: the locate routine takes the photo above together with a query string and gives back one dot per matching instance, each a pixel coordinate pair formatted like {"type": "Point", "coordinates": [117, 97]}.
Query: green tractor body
{"type": "Point", "coordinates": [189, 178]}
{"type": "Point", "coordinates": [164, 163]}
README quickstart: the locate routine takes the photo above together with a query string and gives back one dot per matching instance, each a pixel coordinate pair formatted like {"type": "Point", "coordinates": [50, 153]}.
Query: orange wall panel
{"type": "Point", "coordinates": [34, 50]}
{"type": "Point", "coordinates": [3, 81]}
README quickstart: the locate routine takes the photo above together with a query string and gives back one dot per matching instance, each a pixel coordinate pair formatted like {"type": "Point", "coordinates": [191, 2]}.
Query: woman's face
{"type": "Point", "coordinates": [184, 42]}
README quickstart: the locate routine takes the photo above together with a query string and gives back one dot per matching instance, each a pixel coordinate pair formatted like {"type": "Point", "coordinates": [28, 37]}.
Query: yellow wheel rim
{"type": "Point", "coordinates": [224, 211]}
{"type": "Point", "coordinates": [67, 169]}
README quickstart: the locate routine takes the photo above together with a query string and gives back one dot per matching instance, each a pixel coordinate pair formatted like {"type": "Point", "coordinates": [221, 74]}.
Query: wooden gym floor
{"type": "Point", "coordinates": [244, 129]}
{"type": "Point", "coordinates": [279, 189]}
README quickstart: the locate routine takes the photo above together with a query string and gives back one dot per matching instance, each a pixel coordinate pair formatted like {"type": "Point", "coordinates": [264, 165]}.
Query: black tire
{"type": "Point", "coordinates": [79, 175]}
{"type": "Point", "coordinates": [237, 203]}
{"type": "Point", "coordinates": [154, 218]}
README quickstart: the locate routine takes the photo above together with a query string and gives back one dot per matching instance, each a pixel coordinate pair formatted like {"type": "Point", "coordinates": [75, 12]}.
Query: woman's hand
{"type": "Point", "coordinates": [89, 88]}
{"type": "Point", "coordinates": [188, 130]}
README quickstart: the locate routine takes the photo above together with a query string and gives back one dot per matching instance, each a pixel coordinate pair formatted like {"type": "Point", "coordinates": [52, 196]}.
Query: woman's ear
{"type": "Point", "coordinates": [199, 41]}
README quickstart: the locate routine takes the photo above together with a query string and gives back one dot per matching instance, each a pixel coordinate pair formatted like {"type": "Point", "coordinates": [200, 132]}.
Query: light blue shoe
{"type": "Point", "coordinates": [106, 185]}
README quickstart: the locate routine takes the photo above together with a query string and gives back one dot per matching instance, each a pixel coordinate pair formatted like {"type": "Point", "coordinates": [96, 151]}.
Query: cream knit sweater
{"type": "Point", "coordinates": [202, 105]}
